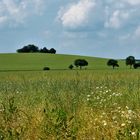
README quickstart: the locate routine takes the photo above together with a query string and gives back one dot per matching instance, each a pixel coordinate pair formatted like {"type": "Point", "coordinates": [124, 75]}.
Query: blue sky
{"type": "Point", "coordinates": [102, 28]}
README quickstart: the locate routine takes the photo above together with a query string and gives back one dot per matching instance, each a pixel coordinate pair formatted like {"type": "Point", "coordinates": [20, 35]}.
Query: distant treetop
{"type": "Point", "coordinates": [31, 48]}
{"type": "Point", "coordinates": [113, 63]}
{"type": "Point", "coordinates": [130, 60]}
{"type": "Point", "coordinates": [80, 63]}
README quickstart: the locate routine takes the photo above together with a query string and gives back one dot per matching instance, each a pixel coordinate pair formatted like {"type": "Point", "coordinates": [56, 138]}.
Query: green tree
{"type": "Point", "coordinates": [71, 66]}
{"type": "Point", "coordinates": [80, 63]}
{"type": "Point", "coordinates": [31, 48]}
{"type": "Point", "coordinates": [130, 60]}
{"type": "Point", "coordinates": [113, 63]}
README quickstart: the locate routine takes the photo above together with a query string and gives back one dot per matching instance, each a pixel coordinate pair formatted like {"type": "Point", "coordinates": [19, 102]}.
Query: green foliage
{"type": "Point", "coordinates": [71, 66]}
{"type": "Point", "coordinates": [130, 60]}
{"type": "Point", "coordinates": [46, 68]}
{"type": "Point", "coordinates": [113, 63]}
{"type": "Point", "coordinates": [28, 49]}
{"type": "Point", "coordinates": [80, 63]}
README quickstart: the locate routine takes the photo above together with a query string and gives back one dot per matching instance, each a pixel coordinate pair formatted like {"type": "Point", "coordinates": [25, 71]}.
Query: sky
{"type": "Point", "coordinates": [100, 28]}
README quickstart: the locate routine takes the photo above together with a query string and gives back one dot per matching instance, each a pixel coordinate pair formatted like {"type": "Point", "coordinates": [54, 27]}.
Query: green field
{"type": "Point", "coordinates": [37, 61]}
{"type": "Point", "coordinates": [98, 103]}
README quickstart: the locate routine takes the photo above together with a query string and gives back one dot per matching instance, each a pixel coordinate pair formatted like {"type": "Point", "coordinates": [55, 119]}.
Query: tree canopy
{"type": "Point", "coordinates": [31, 48]}
{"type": "Point", "coordinates": [130, 60]}
{"type": "Point", "coordinates": [80, 63]}
{"type": "Point", "coordinates": [28, 49]}
{"type": "Point", "coordinates": [113, 63]}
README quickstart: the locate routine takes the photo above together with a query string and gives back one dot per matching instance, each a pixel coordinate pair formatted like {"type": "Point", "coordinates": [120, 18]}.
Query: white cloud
{"type": "Point", "coordinates": [76, 14]}
{"type": "Point", "coordinates": [133, 2]}
{"type": "Point", "coordinates": [137, 32]}
{"type": "Point", "coordinates": [3, 19]}
{"type": "Point", "coordinates": [15, 12]}
{"type": "Point", "coordinates": [117, 19]}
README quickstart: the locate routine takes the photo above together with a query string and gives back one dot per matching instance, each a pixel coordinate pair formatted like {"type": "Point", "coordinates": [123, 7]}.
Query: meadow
{"type": "Point", "coordinates": [93, 104]}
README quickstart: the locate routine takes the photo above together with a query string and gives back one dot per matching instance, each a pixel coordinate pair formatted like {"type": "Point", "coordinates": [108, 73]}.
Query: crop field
{"type": "Point", "coordinates": [91, 104]}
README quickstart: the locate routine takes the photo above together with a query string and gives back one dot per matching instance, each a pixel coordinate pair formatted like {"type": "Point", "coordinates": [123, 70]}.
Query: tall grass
{"type": "Point", "coordinates": [70, 105]}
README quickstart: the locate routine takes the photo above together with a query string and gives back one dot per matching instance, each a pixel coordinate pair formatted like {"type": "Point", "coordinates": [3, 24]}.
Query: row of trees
{"type": "Point", "coordinates": [130, 60]}
{"type": "Point", "coordinates": [79, 63]}
{"type": "Point", "coordinates": [34, 49]}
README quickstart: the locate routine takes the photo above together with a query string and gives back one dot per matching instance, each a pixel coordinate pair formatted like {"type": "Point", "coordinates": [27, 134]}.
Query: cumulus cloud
{"type": "Point", "coordinates": [116, 19]}
{"type": "Point", "coordinates": [76, 14]}
{"type": "Point", "coordinates": [113, 14]}
{"type": "Point", "coordinates": [133, 2]}
{"type": "Point", "coordinates": [15, 12]}
{"type": "Point", "coordinates": [137, 32]}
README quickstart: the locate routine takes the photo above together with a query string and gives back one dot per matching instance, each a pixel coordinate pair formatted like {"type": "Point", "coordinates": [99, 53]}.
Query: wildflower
{"type": "Point", "coordinates": [17, 91]}
{"type": "Point", "coordinates": [104, 123]}
{"type": "Point", "coordinates": [114, 117]}
{"type": "Point", "coordinates": [119, 107]}
{"type": "Point", "coordinates": [123, 112]}
{"type": "Point", "coordinates": [133, 133]}
{"type": "Point", "coordinates": [95, 119]}
{"type": "Point", "coordinates": [129, 122]}
{"type": "Point", "coordinates": [129, 111]}
{"type": "Point", "coordinates": [127, 107]}
{"type": "Point", "coordinates": [123, 124]}
{"type": "Point", "coordinates": [88, 99]}
{"type": "Point", "coordinates": [114, 93]}
{"type": "Point", "coordinates": [104, 113]}
{"type": "Point", "coordinates": [88, 95]}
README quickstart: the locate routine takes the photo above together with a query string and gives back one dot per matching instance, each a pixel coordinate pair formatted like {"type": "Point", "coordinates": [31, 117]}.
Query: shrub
{"type": "Point", "coordinates": [80, 63]}
{"type": "Point", "coordinates": [71, 66]}
{"type": "Point", "coordinates": [46, 68]}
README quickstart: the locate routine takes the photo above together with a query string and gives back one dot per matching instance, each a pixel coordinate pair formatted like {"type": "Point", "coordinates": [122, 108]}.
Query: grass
{"type": "Point", "coordinates": [70, 105]}
{"type": "Point", "coordinates": [94, 104]}
{"type": "Point", "coordinates": [37, 61]}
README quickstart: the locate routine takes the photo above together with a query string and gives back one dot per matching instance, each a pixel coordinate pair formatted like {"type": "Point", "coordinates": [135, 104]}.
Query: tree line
{"type": "Point", "coordinates": [130, 60]}
{"type": "Point", "coordinates": [34, 49]}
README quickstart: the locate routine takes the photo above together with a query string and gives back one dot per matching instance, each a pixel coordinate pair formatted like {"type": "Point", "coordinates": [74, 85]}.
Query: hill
{"type": "Point", "coordinates": [36, 61]}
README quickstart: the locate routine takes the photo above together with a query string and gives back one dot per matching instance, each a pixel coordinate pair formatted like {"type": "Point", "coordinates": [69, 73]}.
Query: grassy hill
{"type": "Point", "coordinates": [36, 61]}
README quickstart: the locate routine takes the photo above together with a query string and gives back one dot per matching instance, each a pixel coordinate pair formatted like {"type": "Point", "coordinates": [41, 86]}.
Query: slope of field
{"type": "Point", "coordinates": [38, 61]}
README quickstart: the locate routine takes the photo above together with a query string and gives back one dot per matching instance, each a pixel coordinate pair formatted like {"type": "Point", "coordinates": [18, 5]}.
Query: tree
{"type": "Point", "coordinates": [46, 68]}
{"type": "Point", "coordinates": [130, 60]}
{"type": "Point", "coordinates": [113, 63]}
{"type": "Point", "coordinates": [80, 63]}
{"type": "Point", "coordinates": [52, 50]}
{"type": "Point", "coordinates": [71, 66]}
{"type": "Point", "coordinates": [44, 50]}
{"type": "Point", "coordinates": [28, 49]}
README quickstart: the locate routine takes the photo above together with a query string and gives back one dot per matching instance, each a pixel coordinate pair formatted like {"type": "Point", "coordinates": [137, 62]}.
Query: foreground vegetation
{"type": "Point", "coordinates": [70, 105]}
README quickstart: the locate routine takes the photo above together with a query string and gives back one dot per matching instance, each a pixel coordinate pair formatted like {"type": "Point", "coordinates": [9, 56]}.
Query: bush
{"type": "Point", "coordinates": [46, 68]}
{"type": "Point", "coordinates": [71, 66]}
{"type": "Point", "coordinates": [80, 63]}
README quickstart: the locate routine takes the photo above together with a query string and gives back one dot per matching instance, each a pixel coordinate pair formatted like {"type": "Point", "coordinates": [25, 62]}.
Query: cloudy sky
{"type": "Point", "coordinates": [103, 28]}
